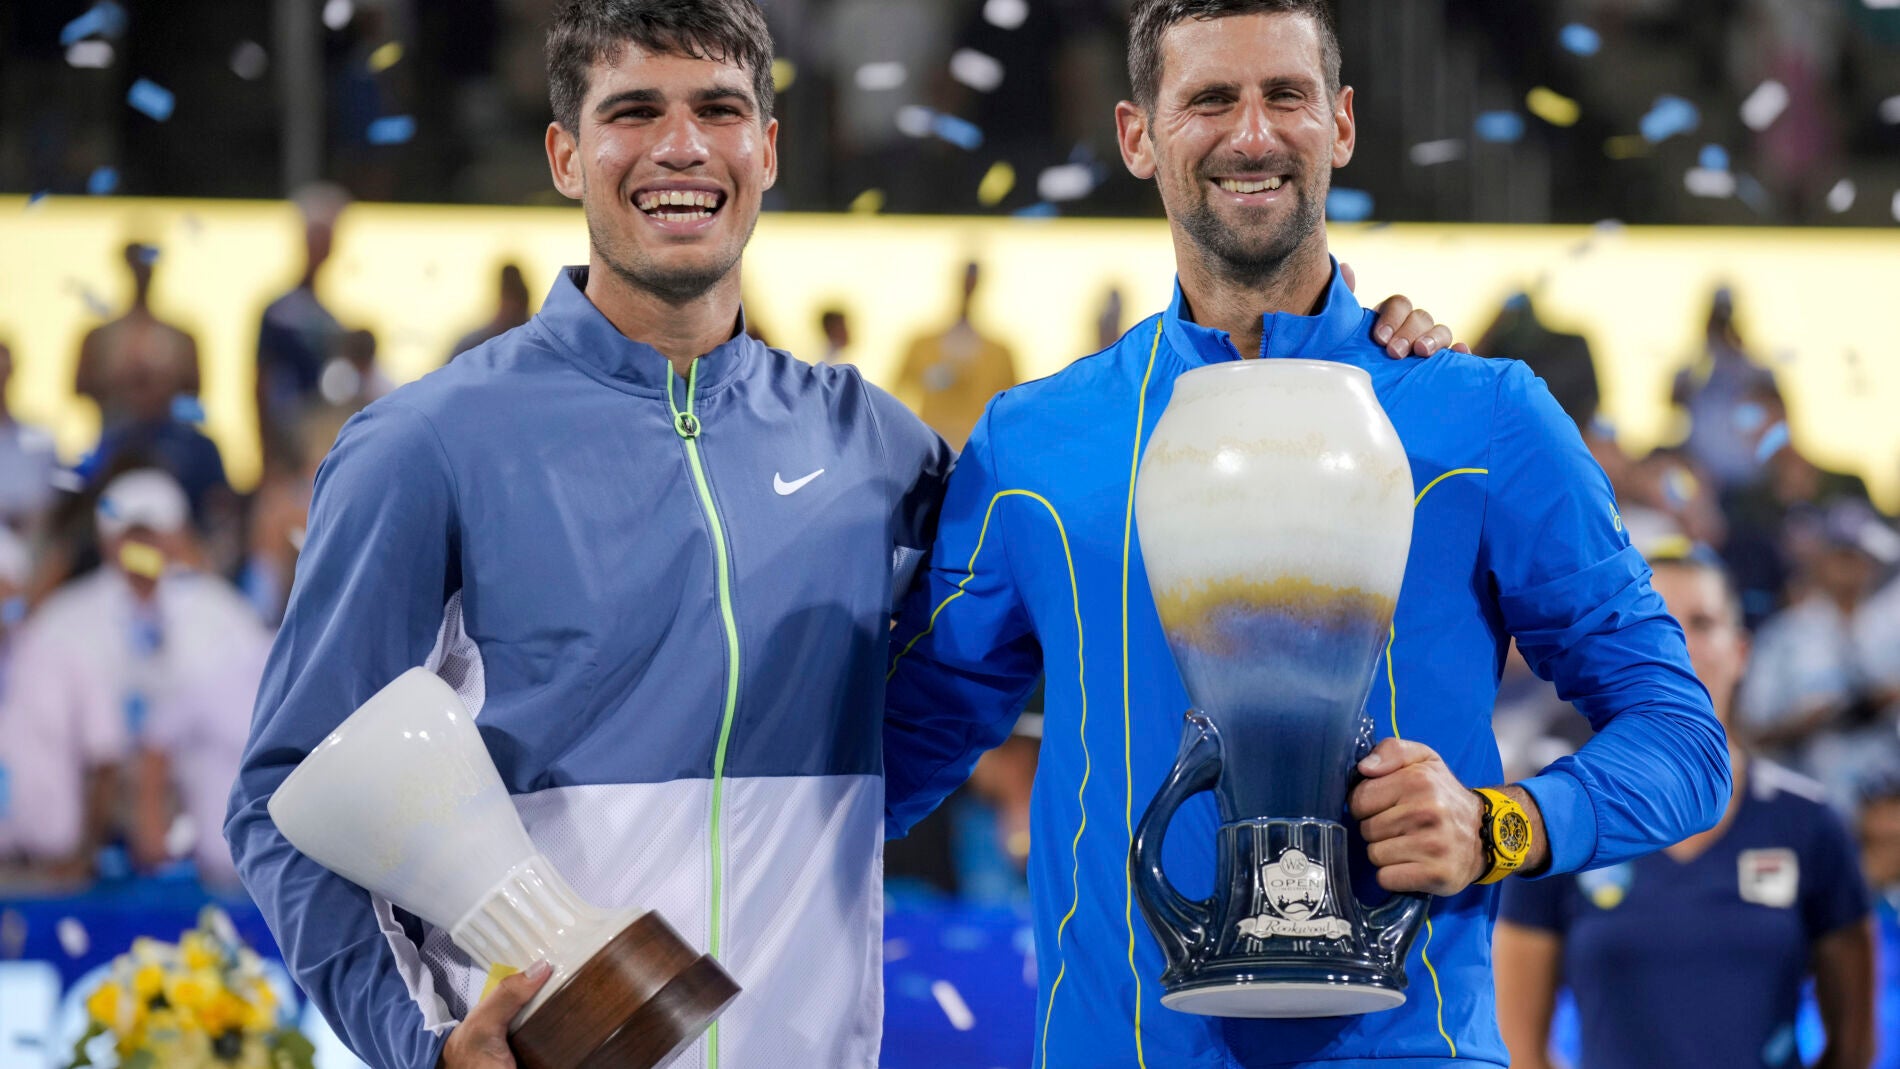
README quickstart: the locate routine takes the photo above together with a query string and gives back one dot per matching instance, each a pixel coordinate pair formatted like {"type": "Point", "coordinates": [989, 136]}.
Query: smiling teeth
{"type": "Point", "coordinates": [1235, 186]}
{"type": "Point", "coordinates": [679, 198]}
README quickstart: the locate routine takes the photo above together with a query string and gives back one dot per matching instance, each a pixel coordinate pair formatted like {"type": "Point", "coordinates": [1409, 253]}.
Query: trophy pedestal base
{"type": "Point", "coordinates": [644, 997]}
{"type": "Point", "coordinates": [1290, 999]}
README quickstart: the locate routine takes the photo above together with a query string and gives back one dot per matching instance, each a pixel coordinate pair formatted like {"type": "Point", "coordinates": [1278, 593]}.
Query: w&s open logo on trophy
{"type": "Point", "coordinates": [403, 800]}
{"type": "Point", "coordinates": [1274, 505]}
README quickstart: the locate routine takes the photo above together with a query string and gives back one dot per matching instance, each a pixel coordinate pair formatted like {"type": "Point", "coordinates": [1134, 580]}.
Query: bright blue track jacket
{"type": "Point", "coordinates": [674, 649]}
{"type": "Point", "coordinates": [1037, 566]}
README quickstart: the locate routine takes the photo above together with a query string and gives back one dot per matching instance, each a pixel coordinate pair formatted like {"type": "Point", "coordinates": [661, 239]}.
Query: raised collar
{"type": "Point", "coordinates": [1282, 334]}
{"type": "Point", "coordinates": [599, 347]}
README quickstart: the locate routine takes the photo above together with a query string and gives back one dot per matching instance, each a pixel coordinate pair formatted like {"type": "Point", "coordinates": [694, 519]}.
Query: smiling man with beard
{"type": "Point", "coordinates": [655, 558]}
{"type": "Point", "coordinates": [1240, 118]}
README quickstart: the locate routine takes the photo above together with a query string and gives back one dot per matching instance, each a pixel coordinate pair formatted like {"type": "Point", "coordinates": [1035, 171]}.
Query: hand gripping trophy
{"type": "Point", "coordinates": [1275, 509]}
{"type": "Point", "coordinates": [403, 800]}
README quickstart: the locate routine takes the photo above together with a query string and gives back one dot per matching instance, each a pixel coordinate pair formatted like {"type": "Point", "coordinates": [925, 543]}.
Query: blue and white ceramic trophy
{"type": "Point", "coordinates": [1274, 506]}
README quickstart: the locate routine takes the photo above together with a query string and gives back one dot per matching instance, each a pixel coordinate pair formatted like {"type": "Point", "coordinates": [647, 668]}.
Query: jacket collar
{"type": "Point", "coordinates": [1283, 334]}
{"type": "Point", "coordinates": [592, 341]}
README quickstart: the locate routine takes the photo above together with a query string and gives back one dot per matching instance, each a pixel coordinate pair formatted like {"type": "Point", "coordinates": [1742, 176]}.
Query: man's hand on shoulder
{"type": "Point", "coordinates": [1423, 828]}
{"type": "Point", "coordinates": [1404, 330]}
{"type": "Point", "coordinates": [481, 1040]}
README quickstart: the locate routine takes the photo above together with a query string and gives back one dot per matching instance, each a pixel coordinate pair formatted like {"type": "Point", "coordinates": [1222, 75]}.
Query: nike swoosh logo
{"type": "Point", "coordinates": [784, 488]}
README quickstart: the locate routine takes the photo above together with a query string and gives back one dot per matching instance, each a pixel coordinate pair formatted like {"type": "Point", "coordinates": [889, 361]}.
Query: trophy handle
{"type": "Point", "coordinates": [1180, 924]}
{"type": "Point", "coordinates": [1393, 924]}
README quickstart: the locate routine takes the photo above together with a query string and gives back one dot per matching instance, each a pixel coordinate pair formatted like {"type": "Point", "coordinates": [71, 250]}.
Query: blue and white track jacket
{"type": "Point", "coordinates": [1038, 566]}
{"type": "Point", "coordinates": [674, 647]}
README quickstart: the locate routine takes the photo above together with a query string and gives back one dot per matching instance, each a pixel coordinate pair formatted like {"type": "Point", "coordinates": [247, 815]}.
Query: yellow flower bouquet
{"type": "Point", "coordinates": [200, 1003]}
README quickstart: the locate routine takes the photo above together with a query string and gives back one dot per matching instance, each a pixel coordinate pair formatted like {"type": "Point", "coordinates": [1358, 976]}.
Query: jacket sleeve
{"type": "Point", "coordinates": [964, 656]}
{"type": "Point", "coordinates": [918, 464]}
{"type": "Point", "coordinates": [1577, 597]}
{"type": "Point", "coordinates": [376, 568]}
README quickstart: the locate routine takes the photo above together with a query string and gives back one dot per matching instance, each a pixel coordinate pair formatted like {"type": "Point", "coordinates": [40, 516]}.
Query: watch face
{"type": "Point", "coordinates": [1513, 831]}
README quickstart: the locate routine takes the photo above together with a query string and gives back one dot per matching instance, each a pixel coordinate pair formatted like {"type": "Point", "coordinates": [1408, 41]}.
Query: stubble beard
{"type": "Point", "coordinates": [673, 285]}
{"type": "Point", "coordinates": [1226, 249]}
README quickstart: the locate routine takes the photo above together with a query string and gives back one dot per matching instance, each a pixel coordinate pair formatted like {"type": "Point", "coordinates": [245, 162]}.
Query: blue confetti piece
{"type": "Point", "coordinates": [186, 408]}
{"type": "Point", "coordinates": [1713, 158]}
{"type": "Point", "coordinates": [38, 196]}
{"type": "Point", "coordinates": [962, 133]}
{"type": "Point", "coordinates": [963, 937]}
{"type": "Point", "coordinates": [1752, 194]}
{"type": "Point", "coordinates": [147, 254]}
{"type": "Point", "coordinates": [1669, 116]}
{"type": "Point", "coordinates": [102, 181]}
{"type": "Point", "coordinates": [1772, 442]}
{"type": "Point", "coordinates": [1580, 40]}
{"type": "Point", "coordinates": [151, 99]}
{"type": "Point", "coordinates": [1603, 428]}
{"type": "Point", "coordinates": [1499, 127]}
{"type": "Point", "coordinates": [104, 19]}
{"type": "Point", "coordinates": [1349, 205]}
{"type": "Point", "coordinates": [913, 985]}
{"type": "Point", "coordinates": [392, 130]}
{"type": "Point", "coordinates": [1749, 417]}
{"type": "Point", "coordinates": [1042, 209]}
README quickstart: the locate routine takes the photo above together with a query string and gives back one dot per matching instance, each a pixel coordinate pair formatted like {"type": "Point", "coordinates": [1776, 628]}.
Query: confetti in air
{"type": "Point", "coordinates": [1042, 209]}
{"type": "Point", "coordinates": [1669, 116]}
{"type": "Point", "coordinates": [869, 202]}
{"type": "Point", "coordinates": [392, 130]}
{"type": "Point", "coordinates": [1432, 153]}
{"type": "Point", "coordinates": [1580, 40]}
{"type": "Point", "coordinates": [338, 13]}
{"type": "Point", "coordinates": [962, 133]}
{"type": "Point", "coordinates": [915, 120]}
{"type": "Point", "coordinates": [1708, 182]}
{"type": "Point", "coordinates": [1713, 158]}
{"type": "Point", "coordinates": [1348, 205]}
{"type": "Point", "coordinates": [1764, 105]}
{"type": "Point", "coordinates": [386, 56]}
{"type": "Point", "coordinates": [877, 77]}
{"type": "Point", "coordinates": [37, 198]}
{"type": "Point", "coordinates": [186, 408]}
{"type": "Point", "coordinates": [90, 55]}
{"type": "Point", "coordinates": [978, 70]}
{"type": "Point", "coordinates": [996, 185]}
{"type": "Point", "coordinates": [1841, 197]}
{"type": "Point", "coordinates": [249, 60]}
{"type": "Point", "coordinates": [1552, 107]}
{"type": "Point", "coordinates": [72, 937]}
{"type": "Point", "coordinates": [1773, 441]}
{"type": "Point", "coordinates": [150, 99]}
{"type": "Point", "coordinates": [1890, 110]}
{"type": "Point", "coordinates": [104, 19]}
{"type": "Point", "coordinates": [1006, 14]}
{"type": "Point", "coordinates": [1896, 206]}
{"type": "Point", "coordinates": [784, 73]}
{"type": "Point", "coordinates": [1625, 146]}
{"type": "Point", "coordinates": [1499, 127]}
{"type": "Point", "coordinates": [951, 1001]}
{"type": "Point", "coordinates": [102, 181]}
{"type": "Point", "coordinates": [1068, 181]}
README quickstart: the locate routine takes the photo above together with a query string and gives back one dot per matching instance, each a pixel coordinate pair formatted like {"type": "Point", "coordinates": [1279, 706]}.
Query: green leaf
{"type": "Point", "coordinates": [80, 1057]}
{"type": "Point", "coordinates": [140, 1059]}
{"type": "Point", "coordinates": [291, 1049]}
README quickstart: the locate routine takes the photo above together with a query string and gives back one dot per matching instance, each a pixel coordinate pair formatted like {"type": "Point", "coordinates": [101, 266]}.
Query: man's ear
{"type": "Point", "coordinates": [564, 162]}
{"type": "Point", "coordinates": [1131, 132]}
{"type": "Point", "coordinates": [771, 154]}
{"type": "Point", "coordinates": [1345, 129]}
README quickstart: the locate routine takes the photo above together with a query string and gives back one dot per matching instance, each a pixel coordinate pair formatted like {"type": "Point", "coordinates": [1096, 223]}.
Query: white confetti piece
{"type": "Point", "coordinates": [1069, 181]}
{"type": "Point", "coordinates": [1707, 182]}
{"type": "Point", "coordinates": [896, 950]}
{"type": "Point", "coordinates": [978, 70]}
{"type": "Point", "coordinates": [877, 77]}
{"type": "Point", "coordinates": [953, 1006]}
{"type": "Point", "coordinates": [337, 13]}
{"type": "Point", "coordinates": [249, 60]}
{"type": "Point", "coordinates": [1765, 105]}
{"type": "Point", "coordinates": [181, 836]}
{"type": "Point", "coordinates": [72, 937]}
{"type": "Point", "coordinates": [1890, 110]}
{"type": "Point", "coordinates": [1896, 206]}
{"type": "Point", "coordinates": [914, 120]}
{"type": "Point", "coordinates": [90, 55]}
{"type": "Point", "coordinates": [1006, 14]}
{"type": "Point", "coordinates": [1841, 197]}
{"type": "Point", "coordinates": [1432, 153]}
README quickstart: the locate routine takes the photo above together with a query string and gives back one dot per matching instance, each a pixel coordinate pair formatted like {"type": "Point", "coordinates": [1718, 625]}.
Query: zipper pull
{"type": "Point", "coordinates": [686, 426]}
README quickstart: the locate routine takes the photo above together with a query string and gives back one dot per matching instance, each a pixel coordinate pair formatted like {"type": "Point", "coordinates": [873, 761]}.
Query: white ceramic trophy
{"type": "Point", "coordinates": [403, 800]}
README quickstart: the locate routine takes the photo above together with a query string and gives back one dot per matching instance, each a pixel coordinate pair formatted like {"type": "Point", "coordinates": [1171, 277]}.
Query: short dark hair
{"type": "Point", "coordinates": [1151, 18]}
{"type": "Point", "coordinates": [1679, 552]}
{"type": "Point", "coordinates": [586, 32]}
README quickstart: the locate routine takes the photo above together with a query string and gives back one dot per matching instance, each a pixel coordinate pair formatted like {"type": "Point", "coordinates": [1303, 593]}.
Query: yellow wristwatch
{"type": "Point", "coordinates": [1506, 832]}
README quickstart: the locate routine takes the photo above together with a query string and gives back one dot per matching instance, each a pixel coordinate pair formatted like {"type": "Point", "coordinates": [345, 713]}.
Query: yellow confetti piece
{"type": "Point", "coordinates": [496, 974]}
{"type": "Point", "coordinates": [1626, 146]}
{"type": "Point", "coordinates": [996, 184]}
{"type": "Point", "coordinates": [142, 560]}
{"type": "Point", "coordinates": [784, 73]}
{"type": "Point", "coordinates": [869, 202]}
{"type": "Point", "coordinates": [1552, 107]}
{"type": "Point", "coordinates": [385, 57]}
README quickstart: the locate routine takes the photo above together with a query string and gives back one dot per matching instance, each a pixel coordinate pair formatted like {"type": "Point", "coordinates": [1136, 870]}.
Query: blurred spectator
{"type": "Point", "coordinates": [157, 424]}
{"type": "Point", "coordinates": [949, 376]}
{"type": "Point", "coordinates": [137, 354]}
{"type": "Point", "coordinates": [1721, 393]}
{"type": "Point", "coordinates": [1660, 497]}
{"type": "Point", "coordinates": [837, 331]}
{"type": "Point", "coordinates": [280, 511]}
{"type": "Point", "coordinates": [511, 310]}
{"type": "Point", "coordinates": [1697, 956]}
{"type": "Point", "coordinates": [1880, 857]}
{"type": "Point", "coordinates": [1824, 688]}
{"type": "Point", "coordinates": [1108, 321]}
{"type": "Point", "coordinates": [298, 335]}
{"type": "Point", "coordinates": [27, 461]}
{"type": "Point", "coordinates": [351, 379]}
{"type": "Point", "coordinates": [1561, 360]}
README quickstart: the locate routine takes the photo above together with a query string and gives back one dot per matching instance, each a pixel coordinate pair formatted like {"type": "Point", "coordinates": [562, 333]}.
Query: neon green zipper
{"type": "Point", "coordinates": [687, 426]}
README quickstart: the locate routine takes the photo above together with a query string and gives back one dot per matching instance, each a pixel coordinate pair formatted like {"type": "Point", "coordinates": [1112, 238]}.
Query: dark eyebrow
{"type": "Point", "coordinates": [1212, 87]}
{"type": "Point", "coordinates": [1289, 81]}
{"type": "Point", "coordinates": [722, 92]}
{"type": "Point", "coordinates": [628, 96]}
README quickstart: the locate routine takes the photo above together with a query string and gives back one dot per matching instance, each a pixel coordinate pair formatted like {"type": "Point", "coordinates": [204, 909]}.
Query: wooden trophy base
{"type": "Point", "coordinates": [641, 999]}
